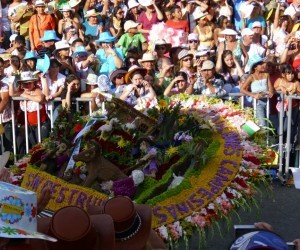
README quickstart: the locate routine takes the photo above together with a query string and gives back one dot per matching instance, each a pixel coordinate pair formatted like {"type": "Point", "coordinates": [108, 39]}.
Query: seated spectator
{"type": "Point", "coordinates": [186, 63]}
{"type": "Point", "coordinates": [132, 38]}
{"type": "Point", "coordinates": [133, 12]}
{"type": "Point", "coordinates": [14, 66]}
{"type": "Point", "coordinates": [204, 29]}
{"type": "Point", "coordinates": [209, 83]}
{"type": "Point", "coordinates": [19, 46]}
{"type": "Point", "coordinates": [111, 58]}
{"type": "Point", "coordinates": [116, 23]}
{"type": "Point", "coordinates": [258, 37]}
{"type": "Point", "coordinates": [137, 87]}
{"type": "Point", "coordinates": [178, 85]}
{"type": "Point", "coordinates": [222, 24]}
{"type": "Point", "coordinates": [148, 62]}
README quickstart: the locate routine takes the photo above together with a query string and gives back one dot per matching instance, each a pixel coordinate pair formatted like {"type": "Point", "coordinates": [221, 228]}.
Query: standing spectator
{"type": "Point", "coordinates": [254, 16]}
{"type": "Point", "coordinates": [30, 61]}
{"type": "Point", "coordinates": [223, 9]}
{"type": "Point", "coordinates": [5, 108]}
{"type": "Point", "coordinates": [48, 43]}
{"type": "Point", "coordinates": [258, 86]}
{"type": "Point", "coordinates": [293, 10]}
{"type": "Point", "coordinates": [5, 23]}
{"type": "Point", "coordinates": [71, 90]}
{"type": "Point", "coordinates": [16, 7]}
{"type": "Point", "coordinates": [151, 16]}
{"type": "Point", "coordinates": [38, 24]}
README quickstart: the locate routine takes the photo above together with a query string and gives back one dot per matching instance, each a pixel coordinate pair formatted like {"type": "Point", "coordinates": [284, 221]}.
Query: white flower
{"type": "Point", "coordinates": [105, 128]}
{"type": "Point", "coordinates": [130, 126]}
{"type": "Point", "coordinates": [137, 176]}
{"type": "Point", "coordinates": [163, 232]}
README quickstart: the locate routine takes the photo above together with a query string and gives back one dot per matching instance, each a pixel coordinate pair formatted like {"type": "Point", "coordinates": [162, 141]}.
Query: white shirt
{"type": "Point", "coordinates": [291, 10]}
{"type": "Point", "coordinates": [54, 86]}
{"type": "Point", "coordinates": [254, 49]}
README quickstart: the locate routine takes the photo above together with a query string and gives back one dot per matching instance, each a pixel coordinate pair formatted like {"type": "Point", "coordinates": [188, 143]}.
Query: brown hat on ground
{"type": "Point", "coordinates": [75, 229]}
{"type": "Point", "coordinates": [132, 222]}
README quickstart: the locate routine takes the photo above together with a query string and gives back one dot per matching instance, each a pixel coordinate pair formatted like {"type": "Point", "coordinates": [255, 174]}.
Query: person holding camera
{"type": "Point", "coordinates": [137, 87]}
{"type": "Point", "coordinates": [178, 85]}
{"type": "Point", "coordinates": [291, 52]}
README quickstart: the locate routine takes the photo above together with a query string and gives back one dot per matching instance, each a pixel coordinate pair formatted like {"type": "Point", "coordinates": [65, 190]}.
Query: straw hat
{"type": "Point", "coordinates": [199, 14]}
{"type": "Point", "coordinates": [76, 229]}
{"type": "Point", "coordinates": [208, 64]}
{"type": "Point", "coordinates": [229, 32]}
{"type": "Point", "coordinates": [63, 44]}
{"type": "Point", "coordinates": [66, 8]}
{"type": "Point", "coordinates": [40, 3]}
{"type": "Point", "coordinates": [160, 42]}
{"type": "Point", "coordinates": [74, 3]}
{"type": "Point", "coordinates": [132, 222]}
{"type": "Point", "coordinates": [90, 13]}
{"type": "Point", "coordinates": [133, 69]}
{"type": "Point", "coordinates": [147, 57]}
{"type": "Point", "coordinates": [116, 72]}
{"type": "Point", "coordinates": [27, 76]}
{"type": "Point", "coordinates": [18, 217]}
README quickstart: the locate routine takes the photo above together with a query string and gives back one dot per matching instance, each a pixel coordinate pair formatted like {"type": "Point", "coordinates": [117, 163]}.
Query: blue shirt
{"type": "Point", "coordinates": [108, 63]}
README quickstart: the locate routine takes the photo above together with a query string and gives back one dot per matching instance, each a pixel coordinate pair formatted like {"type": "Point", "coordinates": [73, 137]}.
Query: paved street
{"type": "Point", "coordinates": [279, 208]}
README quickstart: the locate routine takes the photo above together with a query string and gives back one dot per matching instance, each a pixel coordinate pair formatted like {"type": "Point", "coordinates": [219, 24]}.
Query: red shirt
{"type": "Point", "coordinates": [180, 25]}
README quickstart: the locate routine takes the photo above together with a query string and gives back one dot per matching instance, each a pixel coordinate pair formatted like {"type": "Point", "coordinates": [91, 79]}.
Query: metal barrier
{"type": "Point", "coordinates": [14, 122]}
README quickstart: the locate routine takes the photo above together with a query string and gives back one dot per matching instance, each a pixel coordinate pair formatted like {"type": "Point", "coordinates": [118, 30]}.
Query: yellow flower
{"type": "Point", "coordinates": [171, 151]}
{"type": "Point", "coordinates": [122, 143]}
{"type": "Point", "coordinates": [162, 104]}
{"type": "Point", "coordinates": [181, 120]}
{"type": "Point", "coordinates": [79, 164]}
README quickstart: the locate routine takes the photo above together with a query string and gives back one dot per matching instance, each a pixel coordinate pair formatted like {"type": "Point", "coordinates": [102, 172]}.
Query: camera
{"type": "Point", "coordinates": [140, 85]}
{"type": "Point", "coordinates": [292, 46]}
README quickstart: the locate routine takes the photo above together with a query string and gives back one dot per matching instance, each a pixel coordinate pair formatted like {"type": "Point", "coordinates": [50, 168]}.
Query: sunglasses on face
{"type": "Point", "coordinates": [193, 41]}
{"type": "Point", "coordinates": [160, 47]}
{"type": "Point", "coordinates": [187, 59]}
{"type": "Point", "coordinates": [121, 13]}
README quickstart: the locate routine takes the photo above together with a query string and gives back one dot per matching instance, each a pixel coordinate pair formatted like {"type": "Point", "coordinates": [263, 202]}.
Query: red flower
{"type": "Point", "coordinates": [252, 159]}
{"type": "Point", "coordinates": [229, 195]}
{"type": "Point", "coordinates": [33, 212]}
{"type": "Point", "coordinates": [78, 127]}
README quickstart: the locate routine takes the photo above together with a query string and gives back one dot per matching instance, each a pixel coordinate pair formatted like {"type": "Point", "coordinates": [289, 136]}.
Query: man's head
{"type": "Point", "coordinates": [247, 35]}
{"type": "Point", "coordinates": [208, 70]}
{"type": "Point", "coordinates": [164, 64]}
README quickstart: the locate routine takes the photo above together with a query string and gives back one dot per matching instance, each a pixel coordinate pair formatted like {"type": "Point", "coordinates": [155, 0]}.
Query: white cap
{"type": "Point", "coordinates": [256, 24]}
{"type": "Point", "coordinates": [247, 32]}
{"type": "Point", "coordinates": [132, 4]}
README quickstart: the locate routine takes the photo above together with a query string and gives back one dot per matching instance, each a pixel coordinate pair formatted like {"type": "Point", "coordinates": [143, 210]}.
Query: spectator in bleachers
{"type": "Point", "coordinates": [222, 24]}
{"type": "Point", "coordinates": [209, 83]}
{"type": "Point", "coordinates": [30, 60]}
{"type": "Point", "coordinates": [116, 23]}
{"type": "Point", "coordinates": [111, 58]}
{"type": "Point", "coordinates": [204, 29]}
{"type": "Point", "coordinates": [193, 40]}
{"type": "Point", "coordinates": [229, 67]}
{"type": "Point", "coordinates": [38, 24]}
{"type": "Point", "coordinates": [117, 78]}
{"type": "Point", "coordinates": [161, 47]}
{"type": "Point", "coordinates": [62, 54]}
{"type": "Point", "coordinates": [150, 16]}
{"type": "Point", "coordinates": [137, 87]}
{"type": "Point", "coordinates": [178, 85]}
{"type": "Point", "coordinates": [177, 22]}
{"type": "Point", "coordinates": [92, 26]}
{"type": "Point", "coordinates": [133, 11]}
{"type": "Point", "coordinates": [186, 63]}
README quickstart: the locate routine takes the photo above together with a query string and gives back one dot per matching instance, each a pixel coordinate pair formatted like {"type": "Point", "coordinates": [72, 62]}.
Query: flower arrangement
{"type": "Point", "coordinates": [198, 164]}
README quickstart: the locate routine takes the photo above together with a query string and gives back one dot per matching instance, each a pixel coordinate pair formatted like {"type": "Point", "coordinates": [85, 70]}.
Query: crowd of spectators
{"type": "Point", "coordinates": [84, 48]}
